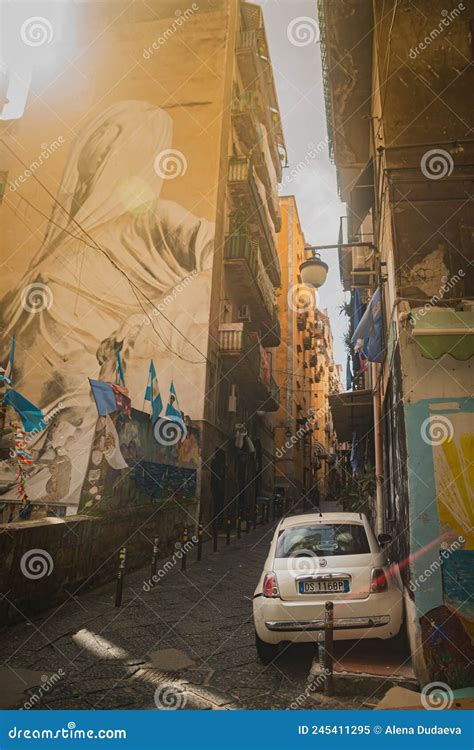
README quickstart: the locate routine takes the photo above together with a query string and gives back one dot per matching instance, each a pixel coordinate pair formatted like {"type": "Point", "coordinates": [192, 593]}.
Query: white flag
{"type": "Point", "coordinates": [112, 451]}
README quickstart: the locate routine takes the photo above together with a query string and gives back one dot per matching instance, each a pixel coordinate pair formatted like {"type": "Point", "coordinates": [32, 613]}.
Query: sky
{"type": "Point", "coordinates": [293, 35]}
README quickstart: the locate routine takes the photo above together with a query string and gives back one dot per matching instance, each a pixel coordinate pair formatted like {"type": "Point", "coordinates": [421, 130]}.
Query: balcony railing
{"type": "Point", "coordinates": [255, 68]}
{"type": "Point", "coordinates": [245, 192]}
{"type": "Point", "coordinates": [242, 355]}
{"type": "Point", "coordinates": [250, 278]}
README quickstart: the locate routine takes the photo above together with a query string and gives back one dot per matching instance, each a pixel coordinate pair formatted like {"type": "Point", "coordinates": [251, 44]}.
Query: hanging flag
{"type": "Point", "coordinates": [112, 452]}
{"type": "Point", "coordinates": [8, 372]}
{"type": "Point", "coordinates": [120, 380]}
{"type": "Point", "coordinates": [104, 397]}
{"type": "Point", "coordinates": [173, 411]}
{"type": "Point", "coordinates": [110, 397]}
{"type": "Point", "coordinates": [152, 394]}
{"type": "Point", "coordinates": [31, 416]}
{"type": "Point", "coordinates": [370, 327]}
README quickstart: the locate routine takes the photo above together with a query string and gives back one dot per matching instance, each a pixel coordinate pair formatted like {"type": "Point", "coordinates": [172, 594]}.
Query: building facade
{"type": "Point", "coordinates": [306, 374]}
{"type": "Point", "coordinates": [140, 219]}
{"type": "Point", "coordinates": [399, 122]}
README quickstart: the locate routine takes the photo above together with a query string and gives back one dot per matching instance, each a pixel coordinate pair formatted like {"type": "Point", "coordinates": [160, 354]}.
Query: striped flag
{"type": "Point", "coordinates": [152, 394]}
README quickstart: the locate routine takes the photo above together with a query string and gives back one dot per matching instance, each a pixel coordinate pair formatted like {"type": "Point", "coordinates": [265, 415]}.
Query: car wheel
{"type": "Point", "coordinates": [267, 652]}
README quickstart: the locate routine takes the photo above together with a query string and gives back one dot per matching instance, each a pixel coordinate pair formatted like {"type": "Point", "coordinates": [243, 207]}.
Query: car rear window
{"type": "Point", "coordinates": [323, 540]}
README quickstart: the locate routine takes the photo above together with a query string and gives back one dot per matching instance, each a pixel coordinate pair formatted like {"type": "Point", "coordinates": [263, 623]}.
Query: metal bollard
{"type": "Point", "coordinates": [329, 647]}
{"type": "Point", "coordinates": [120, 576]}
{"type": "Point", "coordinates": [239, 527]}
{"type": "Point", "coordinates": [227, 534]}
{"type": "Point", "coordinates": [183, 550]}
{"type": "Point", "coordinates": [247, 524]}
{"type": "Point", "coordinates": [200, 533]}
{"type": "Point", "coordinates": [215, 533]}
{"type": "Point", "coordinates": [154, 560]}
{"type": "Point", "coordinates": [254, 524]}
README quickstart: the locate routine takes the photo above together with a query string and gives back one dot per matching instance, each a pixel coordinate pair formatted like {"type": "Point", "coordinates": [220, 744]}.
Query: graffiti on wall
{"type": "Point", "coordinates": [113, 251]}
{"type": "Point", "coordinates": [442, 529]}
{"type": "Point", "coordinates": [150, 472]}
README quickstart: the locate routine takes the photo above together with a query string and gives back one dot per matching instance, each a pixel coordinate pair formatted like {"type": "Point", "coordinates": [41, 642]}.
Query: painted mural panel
{"type": "Point", "coordinates": [440, 434]}
{"type": "Point", "coordinates": [129, 467]}
{"type": "Point", "coordinates": [121, 253]}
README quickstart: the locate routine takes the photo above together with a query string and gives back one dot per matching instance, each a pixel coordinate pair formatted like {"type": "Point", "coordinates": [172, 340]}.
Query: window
{"type": "Point", "coordinates": [323, 540]}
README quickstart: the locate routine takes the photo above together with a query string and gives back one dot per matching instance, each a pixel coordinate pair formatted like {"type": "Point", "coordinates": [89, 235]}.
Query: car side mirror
{"type": "Point", "coordinates": [384, 539]}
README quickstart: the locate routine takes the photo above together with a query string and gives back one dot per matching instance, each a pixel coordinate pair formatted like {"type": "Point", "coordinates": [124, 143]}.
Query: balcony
{"type": "Point", "coordinates": [247, 197]}
{"type": "Point", "coordinates": [301, 319]}
{"type": "Point", "coordinates": [255, 69]}
{"type": "Point", "coordinates": [251, 284]}
{"type": "Point", "coordinates": [271, 335]}
{"type": "Point", "coordinates": [240, 355]}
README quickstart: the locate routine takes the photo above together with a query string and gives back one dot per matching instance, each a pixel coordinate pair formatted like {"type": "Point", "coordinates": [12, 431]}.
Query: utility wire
{"type": "Point", "coordinates": [101, 250]}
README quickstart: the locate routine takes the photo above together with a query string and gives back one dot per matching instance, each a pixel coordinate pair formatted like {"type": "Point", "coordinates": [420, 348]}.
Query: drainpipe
{"type": "Point", "coordinates": [379, 520]}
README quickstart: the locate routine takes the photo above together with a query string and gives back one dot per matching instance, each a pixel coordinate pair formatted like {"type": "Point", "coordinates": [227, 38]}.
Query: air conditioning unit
{"type": "Point", "coordinates": [243, 313]}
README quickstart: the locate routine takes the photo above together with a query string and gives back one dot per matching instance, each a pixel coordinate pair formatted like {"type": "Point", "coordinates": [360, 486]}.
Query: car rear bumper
{"type": "Point", "coordinates": [376, 616]}
{"type": "Point", "coordinates": [342, 623]}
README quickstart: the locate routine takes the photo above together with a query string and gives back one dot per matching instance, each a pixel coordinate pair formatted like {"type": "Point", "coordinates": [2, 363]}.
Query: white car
{"type": "Point", "coordinates": [320, 557]}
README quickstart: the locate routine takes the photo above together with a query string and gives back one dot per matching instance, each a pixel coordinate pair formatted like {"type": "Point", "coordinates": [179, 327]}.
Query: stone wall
{"type": "Point", "coordinates": [45, 561]}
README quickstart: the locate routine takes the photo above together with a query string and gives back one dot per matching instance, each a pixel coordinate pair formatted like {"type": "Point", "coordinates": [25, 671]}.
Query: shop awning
{"type": "Point", "coordinates": [352, 411]}
{"type": "Point", "coordinates": [439, 332]}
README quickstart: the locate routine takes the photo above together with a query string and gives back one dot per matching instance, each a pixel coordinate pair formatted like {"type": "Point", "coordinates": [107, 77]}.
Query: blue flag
{"type": "Point", "coordinates": [370, 327]}
{"type": "Point", "coordinates": [120, 373]}
{"type": "Point", "coordinates": [173, 411]}
{"type": "Point", "coordinates": [104, 397]}
{"type": "Point", "coordinates": [152, 394]}
{"type": "Point", "coordinates": [31, 416]}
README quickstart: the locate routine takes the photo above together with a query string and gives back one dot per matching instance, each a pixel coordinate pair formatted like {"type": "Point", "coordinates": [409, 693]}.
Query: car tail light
{"type": "Point", "coordinates": [378, 581]}
{"type": "Point", "coordinates": [270, 585]}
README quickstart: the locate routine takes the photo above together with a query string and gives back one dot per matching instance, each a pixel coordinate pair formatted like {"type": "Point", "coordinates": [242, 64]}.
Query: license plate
{"type": "Point", "coordinates": [324, 587]}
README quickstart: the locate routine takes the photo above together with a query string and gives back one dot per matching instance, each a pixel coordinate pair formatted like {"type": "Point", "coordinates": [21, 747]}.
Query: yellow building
{"type": "Point", "coordinates": [139, 216]}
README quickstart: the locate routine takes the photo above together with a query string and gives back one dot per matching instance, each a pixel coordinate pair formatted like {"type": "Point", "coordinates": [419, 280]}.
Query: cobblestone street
{"type": "Point", "coordinates": [98, 656]}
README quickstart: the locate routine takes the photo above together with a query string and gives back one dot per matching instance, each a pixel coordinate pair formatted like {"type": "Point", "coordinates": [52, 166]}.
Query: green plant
{"type": "Point", "coordinates": [357, 494]}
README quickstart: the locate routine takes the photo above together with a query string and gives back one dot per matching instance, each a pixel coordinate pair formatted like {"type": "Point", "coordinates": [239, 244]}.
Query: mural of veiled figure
{"type": "Point", "coordinates": [111, 245]}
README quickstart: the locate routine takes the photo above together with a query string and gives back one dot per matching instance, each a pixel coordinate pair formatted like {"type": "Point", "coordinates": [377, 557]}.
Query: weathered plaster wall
{"type": "Point", "coordinates": [439, 425]}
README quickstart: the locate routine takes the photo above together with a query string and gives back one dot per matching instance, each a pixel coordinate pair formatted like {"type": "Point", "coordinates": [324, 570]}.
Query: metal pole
{"type": "Point", "coordinates": [227, 536]}
{"type": "Point", "coordinates": [200, 533]}
{"type": "Point", "coordinates": [154, 560]}
{"type": "Point", "coordinates": [239, 526]}
{"type": "Point", "coordinates": [120, 576]}
{"type": "Point", "coordinates": [215, 532]}
{"type": "Point", "coordinates": [255, 517]}
{"type": "Point", "coordinates": [329, 647]}
{"type": "Point", "coordinates": [183, 549]}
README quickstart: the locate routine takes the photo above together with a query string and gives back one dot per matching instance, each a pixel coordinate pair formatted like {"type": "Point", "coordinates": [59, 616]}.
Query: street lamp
{"type": "Point", "coordinates": [314, 271]}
